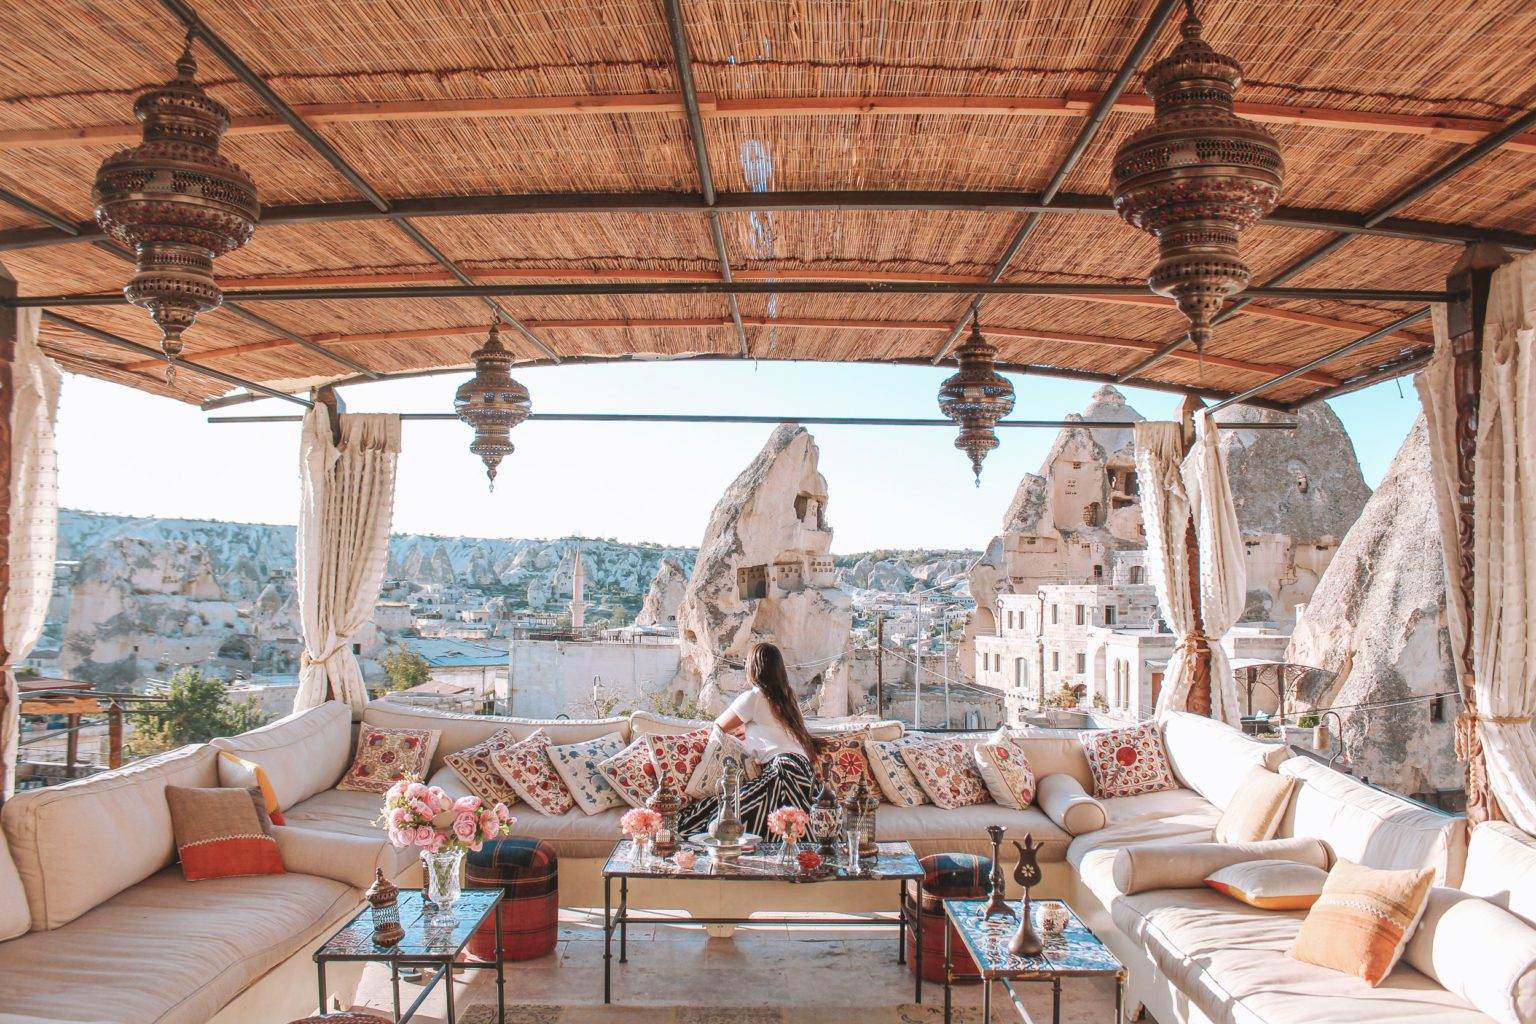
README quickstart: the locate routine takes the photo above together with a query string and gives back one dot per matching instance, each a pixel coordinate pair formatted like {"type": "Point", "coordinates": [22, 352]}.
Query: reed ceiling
{"type": "Point", "coordinates": [437, 98]}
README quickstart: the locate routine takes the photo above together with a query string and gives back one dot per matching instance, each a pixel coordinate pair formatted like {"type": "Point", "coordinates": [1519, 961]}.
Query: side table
{"type": "Point", "coordinates": [434, 939]}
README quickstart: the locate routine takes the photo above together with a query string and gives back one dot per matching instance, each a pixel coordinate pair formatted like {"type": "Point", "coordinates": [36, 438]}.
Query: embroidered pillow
{"type": "Point", "coordinates": [1270, 884]}
{"type": "Point", "coordinates": [701, 786]}
{"type": "Point", "coordinates": [473, 765]}
{"type": "Point", "coordinates": [946, 772]}
{"type": "Point", "coordinates": [577, 765]}
{"type": "Point", "coordinates": [385, 756]}
{"type": "Point", "coordinates": [841, 762]}
{"type": "Point", "coordinates": [1003, 767]}
{"type": "Point", "coordinates": [1363, 920]}
{"type": "Point", "coordinates": [220, 833]}
{"type": "Point", "coordinates": [525, 767]}
{"type": "Point", "coordinates": [631, 773]}
{"type": "Point", "coordinates": [679, 755]}
{"type": "Point", "coordinates": [1129, 761]}
{"type": "Point", "coordinates": [896, 781]}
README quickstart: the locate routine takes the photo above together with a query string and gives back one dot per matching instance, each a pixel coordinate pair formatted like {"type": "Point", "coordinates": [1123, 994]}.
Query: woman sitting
{"type": "Point", "coordinates": [767, 720]}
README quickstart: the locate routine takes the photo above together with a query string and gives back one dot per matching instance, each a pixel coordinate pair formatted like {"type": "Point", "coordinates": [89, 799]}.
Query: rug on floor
{"type": "Point", "coordinates": [910, 1013]}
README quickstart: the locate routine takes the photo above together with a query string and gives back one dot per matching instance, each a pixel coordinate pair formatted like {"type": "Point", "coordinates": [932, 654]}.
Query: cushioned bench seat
{"type": "Point", "coordinates": [933, 829]}
{"type": "Point", "coordinates": [350, 813]}
{"type": "Point", "coordinates": [168, 951]}
{"type": "Point", "coordinates": [1175, 816]}
{"type": "Point", "coordinates": [1230, 960]}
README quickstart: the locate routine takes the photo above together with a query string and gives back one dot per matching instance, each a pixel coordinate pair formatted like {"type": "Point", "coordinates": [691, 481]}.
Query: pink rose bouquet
{"type": "Point", "coordinates": [419, 815]}
{"type": "Point", "coordinates": [789, 823]}
{"type": "Point", "coordinates": [640, 823]}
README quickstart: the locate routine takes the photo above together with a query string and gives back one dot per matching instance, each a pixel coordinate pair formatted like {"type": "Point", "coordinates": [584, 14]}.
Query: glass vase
{"type": "Point", "coordinates": [443, 871]}
{"type": "Point", "coordinates": [790, 850]}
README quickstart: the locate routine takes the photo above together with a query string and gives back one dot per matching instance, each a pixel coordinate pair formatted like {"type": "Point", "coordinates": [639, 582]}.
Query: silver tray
{"type": "Point", "coordinates": [746, 844]}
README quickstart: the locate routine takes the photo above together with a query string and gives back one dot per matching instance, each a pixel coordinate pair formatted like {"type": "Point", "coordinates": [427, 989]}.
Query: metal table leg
{"type": "Point", "coordinates": [1056, 1000]}
{"type": "Point", "coordinates": [1120, 998]}
{"type": "Point", "coordinates": [453, 1017]}
{"type": "Point", "coordinates": [986, 1001]}
{"type": "Point", "coordinates": [949, 971]}
{"type": "Point", "coordinates": [320, 967]}
{"type": "Point", "coordinates": [624, 919]}
{"type": "Point", "coordinates": [394, 984]}
{"type": "Point", "coordinates": [501, 972]}
{"type": "Point", "coordinates": [917, 937]}
{"type": "Point", "coordinates": [607, 939]}
{"type": "Point", "coordinates": [901, 919]}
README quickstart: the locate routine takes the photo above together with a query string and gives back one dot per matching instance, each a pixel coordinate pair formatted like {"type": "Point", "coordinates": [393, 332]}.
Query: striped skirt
{"type": "Point", "coordinates": [786, 781]}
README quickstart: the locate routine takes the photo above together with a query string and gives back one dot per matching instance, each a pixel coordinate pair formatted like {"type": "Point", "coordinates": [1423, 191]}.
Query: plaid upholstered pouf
{"type": "Point", "coordinates": [947, 876]}
{"type": "Point", "coordinates": [527, 870]}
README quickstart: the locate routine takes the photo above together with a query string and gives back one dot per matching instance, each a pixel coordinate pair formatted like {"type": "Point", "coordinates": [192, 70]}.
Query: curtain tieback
{"type": "Point", "coordinates": [1466, 729]}
{"type": "Point", "coordinates": [1192, 642]}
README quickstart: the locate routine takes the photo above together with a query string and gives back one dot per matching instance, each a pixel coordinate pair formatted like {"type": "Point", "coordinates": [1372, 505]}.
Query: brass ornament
{"type": "Point", "coordinates": [176, 203]}
{"type": "Point", "coordinates": [1196, 177]}
{"type": "Point", "coordinates": [976, 397]}
{"type": "Point", "coordinates": [492, 403]}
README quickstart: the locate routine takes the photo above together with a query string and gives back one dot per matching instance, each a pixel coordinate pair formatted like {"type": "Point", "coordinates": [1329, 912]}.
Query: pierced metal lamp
{"type": "Point", "coordinates": [976, 397]}
{"type": "Point", "coordinates": [492, 402]}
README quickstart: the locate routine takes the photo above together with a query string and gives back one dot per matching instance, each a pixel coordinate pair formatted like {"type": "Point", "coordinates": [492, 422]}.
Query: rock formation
{"type": "Point", "coordinates": [664, 596]}
{"type": "Point", "coordinates": [1375, 628]}
{"type": "Point", "coordinates": [764, 573]}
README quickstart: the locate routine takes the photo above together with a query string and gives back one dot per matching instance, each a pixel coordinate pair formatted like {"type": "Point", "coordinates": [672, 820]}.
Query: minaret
{"type": "Point", "coordinates": [578, 578]}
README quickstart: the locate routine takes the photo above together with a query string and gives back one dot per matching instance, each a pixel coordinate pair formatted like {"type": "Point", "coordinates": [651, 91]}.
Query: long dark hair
{"type": "Point", "coordinates": [765, 670]}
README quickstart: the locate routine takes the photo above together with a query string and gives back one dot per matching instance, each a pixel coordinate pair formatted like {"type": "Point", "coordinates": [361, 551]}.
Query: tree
{"type": "Point", "coordinates": [405, 668]}
{"type": "Point", "coordinates": [196, 709]}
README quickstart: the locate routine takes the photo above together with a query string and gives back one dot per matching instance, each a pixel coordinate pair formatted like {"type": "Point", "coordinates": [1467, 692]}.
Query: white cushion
{"type": "Point", "coordinates": [1482, 953]}
{"type": "Point", "coordinates": [460, 731]}
{"type": "Point", "coordinates": [576, 764]}
{"type": "Point", "coordinates": [1146, 866]}
{"type": "Point", "coordinates": [1055, 752]}
{"type": "Point", "coordinates": [1270, 884]}
{"type": "Point", "coordinates": [302, 754]}
{"type": "Point", "coordinates": [1501, 868]}
{"type": "Point", "coordinates": [14, 916]}
{"type": "Point", "coordinates": [352, 813]}
{"type": "Point", "coordinates": [81, 843]}
{"type": "Point", "coordinates": [1068, 804]}
{"type": "Point", "coordinates": [1212, 758]}
{"type": "Point", "coordinates": [1370, 826]}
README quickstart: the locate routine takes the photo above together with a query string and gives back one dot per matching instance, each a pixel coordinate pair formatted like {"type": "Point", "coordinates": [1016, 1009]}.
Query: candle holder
{"type": "Point", "coordinates": [859, 818]}
{"type": "Point", "coordinates": [997, 905]}
{"type": "Point", "coordinates": [1026, 941]}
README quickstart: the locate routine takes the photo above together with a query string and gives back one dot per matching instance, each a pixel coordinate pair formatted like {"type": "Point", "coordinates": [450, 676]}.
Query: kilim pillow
{"type": "Point", "coordinates": [1256, 808]}
{"type": "Point", "coordinates": [579, 768]}
{"type": "Point", "coordinates": [1129, 761]}
{"type": "Point", "coordinates": [526, 767]}
{"type": "Point", "coordinates": [473, 765]}
{"type": "Point", "coordinates": [220, 833]}
{"type": "Point", "coordinates": [1006, 771]}
{"type": "Point", "coordinates": [385, 756]}
{"type": "Point", "coordinates": [1270, 884]}
{"type": "Point", "coordinates": [1363, 919]}
{"type": "Point", "coordinates": [946, 772]}
{"type": "Point", "coordinates": [896, 781]}
{"type": "Point", "coordinates": [705, 778]}
{"type": "Point", "coordinates": [841, 762]}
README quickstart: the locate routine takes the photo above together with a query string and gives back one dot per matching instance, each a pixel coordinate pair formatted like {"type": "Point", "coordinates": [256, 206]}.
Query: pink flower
{"type": "Point", "coordinates": [413, 790]}
{"type": "Point", "coordinates": [466, 826]}
{"type": "Point", "coordinates": [436, 844]}
{"type": "Point", "coordinates": [502, 813]}
{"type": "Point", "coordinates": [425, 835]}
{"type": "Point", "coordinates": [397, 817]}
{"type": "Point", "coordinates": [469, 804]}
{"type": "Point", "coordinates": [421, 809]}
{"type": "Point", "coordinates": [400, 838]}
{"type": "Point", "coordinates": [789, 822]}
{"type": "Point", "coordinates": [639, 822]}
{"type": "Point", "coordinates": [490, 825]}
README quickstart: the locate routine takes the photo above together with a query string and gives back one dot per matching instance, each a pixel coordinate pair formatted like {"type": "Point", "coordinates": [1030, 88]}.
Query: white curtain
{"type": "Point", "coordinates": [1171, 491]}
{"type": "Point", "coordinates": [348, 497]}
{"type": "Point", "coordinates": [34, 521]}
{"type": "Point", "coordinates": [1504, 534]}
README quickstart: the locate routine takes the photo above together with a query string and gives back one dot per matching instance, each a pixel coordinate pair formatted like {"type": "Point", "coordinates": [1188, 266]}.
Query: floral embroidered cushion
{"type": "Point", "coordinates": [896, 781]}
{"type": "Point", "coordinates": [631, 772]}
{"type": "Point", "coordinates": [706, 777]}
{"type": "Point", "coordinates": [841, 762]}
{"type": "Point", "coordinates": [1129, 761]}
{"type": "Point", "coordinates": [473, 765]}
{"type": "Point", "coordinates": [680, 755]}
{"type": "Point", "coordinates": [579, 767]}
{"type": "Point", "coordinates": [946, 771]}
{"type": "Point", "coordinates": [526, 768]}
{"type": "Point", "coordinates": [1001, 763]}
{"type": "Point", "coordinates": [385, 756]}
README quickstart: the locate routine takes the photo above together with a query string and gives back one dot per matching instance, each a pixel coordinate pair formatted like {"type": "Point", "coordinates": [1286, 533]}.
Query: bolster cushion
{"type": "Point", "coordinates": [339, 856]}
{"type": "Point", "coordinates": [1482, 953]}
{"type": "Point", "coordinates": [1065, 802]}
{"type": "Point", "coordinates": [1148, 866]}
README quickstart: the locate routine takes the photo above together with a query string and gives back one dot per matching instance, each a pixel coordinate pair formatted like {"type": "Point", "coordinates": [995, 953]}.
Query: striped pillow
{"type": "Point", "coordinates": [1363, 920]}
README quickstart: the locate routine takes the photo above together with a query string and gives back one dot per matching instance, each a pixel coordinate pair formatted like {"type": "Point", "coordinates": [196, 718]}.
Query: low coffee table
{"type": "Point", "coordinates": [433, 938]}
{"type": "Point", "coordinates": [895, 862]}
{"type": "Point", "coordinates": [1075, 953]}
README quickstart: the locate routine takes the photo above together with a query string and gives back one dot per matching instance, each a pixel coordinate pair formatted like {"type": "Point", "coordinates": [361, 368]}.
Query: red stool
{"type": "Point", "coordinates": [527, 871]}
{"type": "Point", "coordinates": [946, 876]}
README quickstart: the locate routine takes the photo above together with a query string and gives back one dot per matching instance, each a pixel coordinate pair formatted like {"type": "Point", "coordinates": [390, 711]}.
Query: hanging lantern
{"type": "Point", "coordinates": [176, 203]}
{"type": "Point", "coordinates": [1196, 177]}
{"type": "Point", "coordinates": [976, 398]}
{"type": "Point", "coordinates": [492, 402]}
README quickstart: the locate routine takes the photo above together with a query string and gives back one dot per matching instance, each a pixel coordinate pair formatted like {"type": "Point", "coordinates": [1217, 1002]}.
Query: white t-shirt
{"type": "Point", "coordinates": [766, 737]}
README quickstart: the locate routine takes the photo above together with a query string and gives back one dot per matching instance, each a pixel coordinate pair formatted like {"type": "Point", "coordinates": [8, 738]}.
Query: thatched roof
{"type": "Point", "coordinates": [580, 103]}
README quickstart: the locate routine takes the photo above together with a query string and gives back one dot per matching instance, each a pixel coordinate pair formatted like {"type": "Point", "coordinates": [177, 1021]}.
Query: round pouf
{"type": "Point", "coordinates": [527, 872]}
{"type": "Point", "coordinates": [947, 876]}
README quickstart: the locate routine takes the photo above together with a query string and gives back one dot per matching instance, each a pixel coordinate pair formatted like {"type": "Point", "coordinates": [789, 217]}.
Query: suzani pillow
{"type": "Point", "coordinates": [896, 781]}
{"type": "Point", "coordinates": [578, 766]}
{"type": "Point", "coordinates": [1129, 761]}
{"type": "Point", "coordinates": [473, 765]}
{"type": "Point", "coordinates": [841, 762]}
{"type": "Point", "coordinates": [947, 773]}
{"type": "Point", "coordinates": [1003, 767]}
{"type": "Point", "coordinates": [679, 755]}
{"type": "Point", "coordinates": [631, 773]}
{"type": "Point", "coordinates": [706, 777]}
{"type": "Point", "coordinates": [385, 756]}
{"type": "Point", "coordinates": [526, 768]}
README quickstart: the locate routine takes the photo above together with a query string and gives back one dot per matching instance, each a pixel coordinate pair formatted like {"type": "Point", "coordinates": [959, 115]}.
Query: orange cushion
{"type": "Point", "coordinates": [1363, 919]}
{"type": "Point", "coordinates": [1270, 884]}
{"type": "Point", "coordinates": [258, 777]}
{"type": "Point", "coordinates": [220, 833]}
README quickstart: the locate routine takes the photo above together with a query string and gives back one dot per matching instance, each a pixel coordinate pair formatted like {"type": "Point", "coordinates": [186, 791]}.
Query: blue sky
{"type": "Point", "coordinates": [126, 452]}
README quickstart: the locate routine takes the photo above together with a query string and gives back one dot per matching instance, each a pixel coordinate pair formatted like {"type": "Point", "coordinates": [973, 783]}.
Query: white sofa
{"type": "Point", "coordinates": [113, 926]}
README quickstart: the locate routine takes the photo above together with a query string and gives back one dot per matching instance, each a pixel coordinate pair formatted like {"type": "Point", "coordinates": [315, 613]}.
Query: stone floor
{"type": "Point", "coordinates": [769, 974]}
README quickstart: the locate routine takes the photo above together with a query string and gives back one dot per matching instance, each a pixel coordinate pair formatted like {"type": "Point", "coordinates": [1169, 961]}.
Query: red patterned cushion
{"type": "Point", "coordinates": [385, 756]}
{"type": "Point", "coordinates": [1129, 761]}
{"type": "Point", "coordinates": [1006, 771]}
{"type": "Point", "coordinates": [946, 772]}
{"type": "Point", "coordinates": [473, 765]}
{"type": "Point", "coordinates": [632, 771]}
{"type": "Point", "coordinates": [842, 762]}
{"type": "Point", "coordinates": [526, 768]}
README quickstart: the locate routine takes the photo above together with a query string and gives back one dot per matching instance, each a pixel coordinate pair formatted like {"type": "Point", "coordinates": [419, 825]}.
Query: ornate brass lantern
{"type": "Point", "coordinates": [976, 398]}
{"type": "Point", "coordinates": [176, 203]}
{"type": "Point", "coordinates": [1196, 177]}
{"type": "Point", "coordinates": [492, 402]}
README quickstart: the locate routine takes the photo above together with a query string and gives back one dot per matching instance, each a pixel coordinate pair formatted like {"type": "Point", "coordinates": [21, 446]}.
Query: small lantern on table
{"type": "Point", "coordinates": [859, 819]}
{"type": "Point", "coordinates": [383, 898]}
{"type": "Point", "coordinates": [666, 803]}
